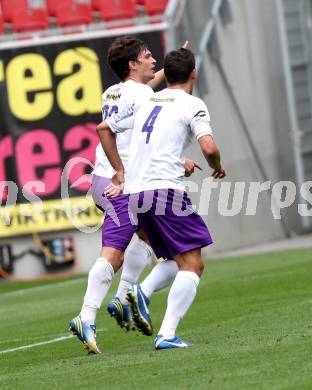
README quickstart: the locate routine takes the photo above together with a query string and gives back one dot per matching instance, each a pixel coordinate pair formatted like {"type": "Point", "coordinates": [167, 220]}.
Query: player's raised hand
{"type": "Point", "coordinates": [219, 173]}
{"type": "Point", "coordinates": [117, 185]}
{"type": "Point", "coordinates": [189, 167]}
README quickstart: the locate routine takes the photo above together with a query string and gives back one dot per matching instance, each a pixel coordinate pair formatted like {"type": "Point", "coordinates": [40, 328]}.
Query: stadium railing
{"type": "Point", "coordinates": [164, 18]}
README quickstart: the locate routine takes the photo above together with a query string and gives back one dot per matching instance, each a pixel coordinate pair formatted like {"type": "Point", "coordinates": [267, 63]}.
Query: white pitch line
{"type": "Point", "coordinates": [37, 344]}
{"type": "Point", "coordinates": [40, 288]}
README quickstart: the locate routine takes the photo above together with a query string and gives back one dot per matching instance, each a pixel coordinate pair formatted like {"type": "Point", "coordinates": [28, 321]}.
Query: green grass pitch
{"type": "Point", "coordinates": [251, 325]}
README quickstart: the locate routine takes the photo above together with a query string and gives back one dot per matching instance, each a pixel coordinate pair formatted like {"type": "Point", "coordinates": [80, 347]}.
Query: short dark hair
{"type": "Point", "coordinates": [123, 50]}
{"type": "Point", "coordinates": [179, 65]}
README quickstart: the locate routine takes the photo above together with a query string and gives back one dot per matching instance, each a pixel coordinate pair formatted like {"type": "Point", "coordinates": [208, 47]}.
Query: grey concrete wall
{"type": "Point", "coordinates": [251, 57]}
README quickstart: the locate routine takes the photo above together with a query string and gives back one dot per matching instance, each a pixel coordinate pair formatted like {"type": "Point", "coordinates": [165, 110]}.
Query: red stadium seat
{"type": "Point", "coordinates": [96, 5]}
{"type": "Point", "coordinates": [140, 2]}
{"type": "Point", "coordinates": [73, 13]}
{"type": "Point", "coordinates": [9, 5]}
{"type": "Point", "coordinates": [117, 9]}
{"type": "Point", "coordinates": [30, 19]}
{"type": "Point", "coordinates": [155, 7]}
{"type": "Point", "coordinates": [53, 4]}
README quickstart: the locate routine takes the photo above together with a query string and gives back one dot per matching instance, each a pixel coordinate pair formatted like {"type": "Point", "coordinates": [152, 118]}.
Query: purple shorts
{"type": "Point", "coordinates": [168, 219]}
{"type": "Point", "coordinates": [166, 216]}
{"type": "Point", "coordinates": [117, 229]}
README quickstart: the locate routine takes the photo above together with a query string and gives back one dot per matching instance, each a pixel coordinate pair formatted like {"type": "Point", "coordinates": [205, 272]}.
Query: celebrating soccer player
{"type": "Point", "coordinates": [163, 128]}
{"type": "Point", "coordinates": [134, 64]}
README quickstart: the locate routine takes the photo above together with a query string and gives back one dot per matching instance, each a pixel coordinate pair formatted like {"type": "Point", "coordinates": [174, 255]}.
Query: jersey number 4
{"type": "Point", "coordinates": [148, 126]}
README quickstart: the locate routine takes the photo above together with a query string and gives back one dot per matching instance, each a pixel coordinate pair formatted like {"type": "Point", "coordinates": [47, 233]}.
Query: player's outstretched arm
{"type": "Point", "coordinates": [212, 155]}
{"type": "Point", "coordinates": [160, 75]}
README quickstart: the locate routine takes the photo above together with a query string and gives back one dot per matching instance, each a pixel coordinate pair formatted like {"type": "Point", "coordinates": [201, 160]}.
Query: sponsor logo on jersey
{"type": "Point", "coordinates": [113, 96]}
{"type": "Point", "coordinates": [162, 100]}
{"type": "Point", "coordinates": [126, 113]}
{"type": "Point", "coordinates": [201, 113]}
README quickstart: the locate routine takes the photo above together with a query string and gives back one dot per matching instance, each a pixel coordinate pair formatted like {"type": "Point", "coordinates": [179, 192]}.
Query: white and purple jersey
{"type": "Point", "coordinates": [163, 128]}
{"type": "Point", "coordinates": [120, 103]}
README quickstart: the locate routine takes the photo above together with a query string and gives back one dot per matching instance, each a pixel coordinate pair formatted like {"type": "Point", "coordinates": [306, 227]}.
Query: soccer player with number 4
{"type": "Point", "coordinates": [163, 127]}
{"type": "Point", "coordinates": [133, 63]}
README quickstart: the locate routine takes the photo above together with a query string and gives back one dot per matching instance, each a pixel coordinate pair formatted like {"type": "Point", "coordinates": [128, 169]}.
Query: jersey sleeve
{"type": "Point", "coordinates": [199, 119]}
{"type": "Point", "coordinates": [124, 119]}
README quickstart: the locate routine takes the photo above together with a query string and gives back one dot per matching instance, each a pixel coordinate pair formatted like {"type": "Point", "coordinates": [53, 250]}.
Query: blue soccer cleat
{"type": "Point", "coordinates": [139, 302]}
{"type": "Point", "coordinates": [85, 333]}
{"type": "Point", "coordinates": [121, 313]}
{"type": "Point", "coordinates": [162, 342]}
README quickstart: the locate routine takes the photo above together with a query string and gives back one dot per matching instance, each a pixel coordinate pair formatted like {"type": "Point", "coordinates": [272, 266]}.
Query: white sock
{"type": "Point", "coordinates": [99, 282]}
{"type": "Point", "coordinates": [153, 257]}
{"type": "Point", "coordinates": [161, 276]}
{"type": "Point", "coordinates": [137, 256]}
{"type": "Point", "coordinates": [180, 298]}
